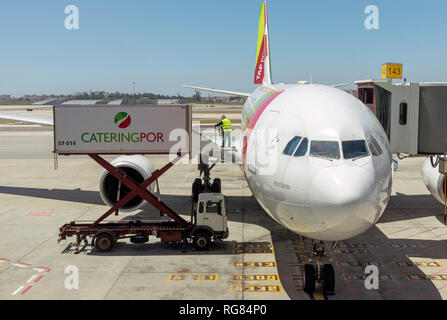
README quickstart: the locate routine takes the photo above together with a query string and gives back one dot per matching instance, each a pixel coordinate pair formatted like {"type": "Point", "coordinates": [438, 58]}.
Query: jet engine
{"type": "Point", "coordinates": [137, 167]}
{"type": "Point", "coordinates": [434, 180]}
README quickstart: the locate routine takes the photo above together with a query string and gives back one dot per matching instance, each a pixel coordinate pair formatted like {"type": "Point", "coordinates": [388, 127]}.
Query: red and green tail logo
{"type": "Point", "coordinates": [122, 120]}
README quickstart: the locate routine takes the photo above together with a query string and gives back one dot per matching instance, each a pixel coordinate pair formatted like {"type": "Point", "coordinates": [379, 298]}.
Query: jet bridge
{"type": "Point", "coordinates": [413, 114]}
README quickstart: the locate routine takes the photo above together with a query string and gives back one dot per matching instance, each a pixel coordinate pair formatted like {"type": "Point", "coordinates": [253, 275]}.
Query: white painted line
{"type": "Point", "coordinates": [39, 270]}
{"type": "Point", "coordinates": [20, 265]}
{"type": "Point", "coordinates": [15, 292]}
{"type": "Point", "coordinates": [32, 278]}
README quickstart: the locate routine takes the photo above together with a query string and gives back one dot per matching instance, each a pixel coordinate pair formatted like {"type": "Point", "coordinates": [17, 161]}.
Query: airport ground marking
{"type": "Point", "coordinates": [40, 213]}
{"type": "Point", "coordinates": [193, 277]}
{"type": "Point", "coordinates": [254, 277]}
{"type": "Point", "coordinates": [253, 248]}
{"type": "Point", "coordinates": [362, 277]}
{"type": "Point", "coordinates": [409, 284]}
{"type": "Point", "coordinates": [35, 277]}
{"type": "Point", "coordinates": [257, 264]}
{"type": "Point", "coordinates": [419, 233]}
{"type": "Point", "coordinates": [419, 264]}
{"type": "Point", "coordinates": [251, 288]}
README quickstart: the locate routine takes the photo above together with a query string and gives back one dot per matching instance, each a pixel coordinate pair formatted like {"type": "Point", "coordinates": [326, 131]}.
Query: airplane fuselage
{"type": "Point", "coordinates": [316, 159]}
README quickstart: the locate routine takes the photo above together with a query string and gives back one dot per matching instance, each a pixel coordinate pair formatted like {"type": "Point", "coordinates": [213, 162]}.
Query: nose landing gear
{"type": "Point", "coordinates": [319, 270]}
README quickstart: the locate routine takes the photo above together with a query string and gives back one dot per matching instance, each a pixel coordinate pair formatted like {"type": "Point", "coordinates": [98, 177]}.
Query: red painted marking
{"type": "Point", "coordinates": [25, 264]}
{"type": "Point", "coordinates": [38, 279]}
{"type": "Point", "coordinates": [398, 231]}
{"type": "Point", "coordinates": [26, 290]}
{"type": "Point", "coordinates": [416, 234]}
{"type": "Point", "coordinates": [45, 268]}
{"type": "Point", "coordinates": [439, 236]}
{"type": "Point", "coordinates": [40, 213]}
{"type": "Point", "coordinates": [4, 259]}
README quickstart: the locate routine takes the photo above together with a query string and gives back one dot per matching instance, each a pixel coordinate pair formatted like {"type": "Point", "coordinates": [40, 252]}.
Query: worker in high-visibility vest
{"type": "Point", "coordinates": [226, 128]}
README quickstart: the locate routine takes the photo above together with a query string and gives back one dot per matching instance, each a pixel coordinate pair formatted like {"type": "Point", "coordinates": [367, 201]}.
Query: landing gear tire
{"type": "Point", "coordinates": [104, 242]}
{"type": "Point", "coordinates": [202, 242]}
{"type": "Point", "coordinates": [216, 186]}
{"type": "Point", "coordinates": [197, 188]}
{"type": "Point", "coordinates": [309, 279]}
{"type": "Point", "coordinates": [328, 279]}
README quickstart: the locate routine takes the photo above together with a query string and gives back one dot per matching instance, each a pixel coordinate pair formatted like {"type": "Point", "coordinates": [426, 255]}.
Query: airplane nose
{"type": "Point", "coordinates": [341, 201]}
{"type": "Point", "coordinates": [342, 185]}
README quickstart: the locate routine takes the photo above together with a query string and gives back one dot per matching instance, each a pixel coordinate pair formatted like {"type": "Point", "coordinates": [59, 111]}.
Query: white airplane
{"type": "Point", "coordinates": [332, 166]}
{"type": "Point", "coordinates": [324, 171]}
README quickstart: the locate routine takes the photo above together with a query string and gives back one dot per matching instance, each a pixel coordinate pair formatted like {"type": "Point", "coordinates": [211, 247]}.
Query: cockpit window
{"type": "Point", "coordinates": [374, 146]}
{"type": "Point", "coordinates": [354, 149]}
{"type": "Point", "coordinates": [302, 149]}
{"type": "Point", "coordinates": [325, 149]}
{"type": "Point", "coordinates": [291, 146]}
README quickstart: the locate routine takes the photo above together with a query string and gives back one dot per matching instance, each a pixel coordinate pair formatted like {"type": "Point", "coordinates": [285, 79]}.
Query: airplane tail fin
{"type": "Point", "coordinates": [262, 71]}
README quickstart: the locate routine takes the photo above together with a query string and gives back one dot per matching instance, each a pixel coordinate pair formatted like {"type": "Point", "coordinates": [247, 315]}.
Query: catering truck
{"type": "Point", "coordinates": [130, 180]}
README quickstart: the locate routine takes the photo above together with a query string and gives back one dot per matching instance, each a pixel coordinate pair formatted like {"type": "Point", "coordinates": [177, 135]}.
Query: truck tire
{"type": "Point", "coordinates": [104, 242]}
{"type": "Point", "coordinates": [216, 187]}
{"type": "Point", "coordinates": [196, 189]}
{"type": "Point", "coordinates": [202, 241]}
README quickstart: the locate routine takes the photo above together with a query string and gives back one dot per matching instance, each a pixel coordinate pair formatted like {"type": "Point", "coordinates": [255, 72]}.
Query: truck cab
{"type": "Point", "coordinates": [210, 220]}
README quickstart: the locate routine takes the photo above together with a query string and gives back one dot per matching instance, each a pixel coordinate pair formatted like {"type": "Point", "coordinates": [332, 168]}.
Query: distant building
{"type": "Point", "coordinates": [168, 101]}
{"type": "Point", "coordinates": [5, 97]}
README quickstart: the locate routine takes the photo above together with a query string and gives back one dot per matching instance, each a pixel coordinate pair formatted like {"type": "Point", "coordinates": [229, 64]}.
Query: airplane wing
{"type": "Point", "coordinates": [26, 118]}
{"type": "Point", "coordinates": [231, 93]}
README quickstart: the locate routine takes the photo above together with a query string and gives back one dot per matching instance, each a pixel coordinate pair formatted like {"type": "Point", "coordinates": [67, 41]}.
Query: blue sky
{"type": "Point", "coordinates": [162, 45]}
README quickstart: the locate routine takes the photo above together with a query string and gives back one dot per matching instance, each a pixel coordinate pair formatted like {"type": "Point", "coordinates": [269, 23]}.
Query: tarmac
{"type": "Point", "coordinates": [259, 260]}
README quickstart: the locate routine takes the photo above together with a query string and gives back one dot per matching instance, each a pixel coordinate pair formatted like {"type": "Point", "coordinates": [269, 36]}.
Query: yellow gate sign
{"type": "Point", "coordinates": [392, 71]}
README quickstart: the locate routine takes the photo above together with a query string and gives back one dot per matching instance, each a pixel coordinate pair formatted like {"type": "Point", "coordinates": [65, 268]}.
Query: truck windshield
{"type": "Point", "coordinates": [325, 149]}
{"type": "Point", "coordinates": [213, 207]}
{"type": "Point", "coordinates": [354, 149]}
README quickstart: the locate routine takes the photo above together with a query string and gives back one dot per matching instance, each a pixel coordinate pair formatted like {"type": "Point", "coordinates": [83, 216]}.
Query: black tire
{"type": "Point", "coordinates": [328, 279]}
{"type": "Point", "coordinates": [196, 189]}
{"type": "Point", "coordinates": [104, 242]}
{"type": "Point", "coordinates": [202, 242]}
{"type": "Point", "coordinates": [216, 187]}
{"type": "Point", "coordinates": [309, 279]}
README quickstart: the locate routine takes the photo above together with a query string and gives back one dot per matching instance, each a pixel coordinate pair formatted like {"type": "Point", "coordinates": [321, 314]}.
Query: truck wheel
{"type": "Point", "coordinates": [104, 242]}
{"type": "Point", "coordinates": [196, 189]}
{"type": "Point", "coordinates": [216, 187]}
{"type": "Point", "coordinates": [202, 242]}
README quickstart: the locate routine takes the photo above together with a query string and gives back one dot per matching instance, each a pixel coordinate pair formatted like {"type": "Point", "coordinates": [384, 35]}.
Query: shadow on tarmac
{"type": "Point", "coordinates": [402, 279]}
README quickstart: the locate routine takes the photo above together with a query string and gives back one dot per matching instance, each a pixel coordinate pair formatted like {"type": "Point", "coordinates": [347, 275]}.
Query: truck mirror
{"type": "Point", "coordinates": [201, 207]}
{"type": "Point", "coordinates": [219, 209]}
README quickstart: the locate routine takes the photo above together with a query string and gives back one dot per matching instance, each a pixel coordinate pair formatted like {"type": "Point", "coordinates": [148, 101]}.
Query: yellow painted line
{"type": "Point", "coordinates": [246, 265]}
{"type": "Point", "coordinates": [248, 288]}
{"type": "Point", "coordinates": [419, 264]}
{"type": "Point", "coordinates": [426, 277]}
{"type": "Point", "coordinates": [253, 248]}
{"type": "Point", "coordinates": [254, 277]}
{"type": "Point", "coordinates": [194, 277]}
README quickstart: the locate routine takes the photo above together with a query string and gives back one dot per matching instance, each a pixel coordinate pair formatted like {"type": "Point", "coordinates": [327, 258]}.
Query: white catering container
{"type": "Point", "coordinates": [123, 129]}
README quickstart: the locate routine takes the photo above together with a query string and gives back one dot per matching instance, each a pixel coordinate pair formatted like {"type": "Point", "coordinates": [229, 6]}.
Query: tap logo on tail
{"type": "Point", "coordinates": [262, 69]}
{"type": "Point", "coordinates": [122, 120]}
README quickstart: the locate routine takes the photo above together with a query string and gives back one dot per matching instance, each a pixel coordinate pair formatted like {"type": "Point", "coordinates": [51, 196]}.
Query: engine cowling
{"type": "Point", "coordinates": [434, 180]}
{"type": "Point", "coordinates": [139, 168]}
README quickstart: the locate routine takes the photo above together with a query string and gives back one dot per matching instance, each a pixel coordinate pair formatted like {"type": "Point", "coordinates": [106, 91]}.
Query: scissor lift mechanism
{"type": "Point", "coordinates": [171, 231]}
